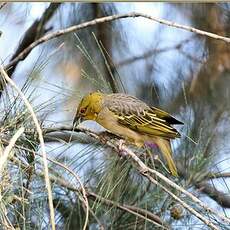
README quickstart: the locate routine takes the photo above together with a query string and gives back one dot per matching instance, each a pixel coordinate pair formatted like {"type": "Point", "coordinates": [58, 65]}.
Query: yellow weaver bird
{"type": "Point", "coordinates": [132, 119]}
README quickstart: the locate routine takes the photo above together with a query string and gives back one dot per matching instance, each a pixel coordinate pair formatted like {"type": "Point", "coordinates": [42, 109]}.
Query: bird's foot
{"type": "Point", "coordinates": [151, 145]}
{"type": "Point", "coordinates": [121, 151]}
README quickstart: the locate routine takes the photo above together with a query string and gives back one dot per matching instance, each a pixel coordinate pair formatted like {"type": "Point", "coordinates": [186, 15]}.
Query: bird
{"type": "Point", "coordinates": [132, 119]}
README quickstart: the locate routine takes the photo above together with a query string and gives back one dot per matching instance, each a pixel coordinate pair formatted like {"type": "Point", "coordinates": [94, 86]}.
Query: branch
{"type": "Point", "coordinates": [40, 136]}
{"type": "Point", "coordinates": [144, 170]}
{"type": "Point", "coordinates": [56, 134]}
{"type": "Point", "coordinates": [75, 28]}
{"type": "Point", "coordinates": [220, 197]}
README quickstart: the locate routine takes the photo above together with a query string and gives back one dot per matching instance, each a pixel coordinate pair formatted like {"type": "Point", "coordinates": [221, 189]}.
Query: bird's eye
{"type": "Point", "coordinates": [82, 110]}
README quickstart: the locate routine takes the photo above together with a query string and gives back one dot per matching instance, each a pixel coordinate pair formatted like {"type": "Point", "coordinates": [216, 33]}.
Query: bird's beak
{"type": "Point", "coordinates": [77, 120]}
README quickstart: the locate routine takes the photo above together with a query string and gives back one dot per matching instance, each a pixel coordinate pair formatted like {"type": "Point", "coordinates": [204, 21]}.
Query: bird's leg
{"type": "Point", "coordinates": [121, 151]}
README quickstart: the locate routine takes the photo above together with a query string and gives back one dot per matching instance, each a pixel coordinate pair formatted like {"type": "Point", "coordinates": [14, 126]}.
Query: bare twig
{"type": "Point", "coordinates": [40, 136]}
{"type": "Point", "coordinates": [74, 28]}
{"type": "Point", "coordinates": [152, 52]}
{"type": "Point", "coordinates": [5, 154]}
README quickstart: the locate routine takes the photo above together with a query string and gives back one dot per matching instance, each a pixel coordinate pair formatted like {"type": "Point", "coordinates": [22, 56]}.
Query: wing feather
{"type": "Point", "coordinates": [135, 114]}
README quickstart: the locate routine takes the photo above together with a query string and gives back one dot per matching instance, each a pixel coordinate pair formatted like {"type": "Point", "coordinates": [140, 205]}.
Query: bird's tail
{"type": "Point", "coordinates": [166, 150]}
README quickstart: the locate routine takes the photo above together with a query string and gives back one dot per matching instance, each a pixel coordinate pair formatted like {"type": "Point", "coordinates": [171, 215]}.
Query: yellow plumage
{"type": "Point", "coordinates": [131, 118]}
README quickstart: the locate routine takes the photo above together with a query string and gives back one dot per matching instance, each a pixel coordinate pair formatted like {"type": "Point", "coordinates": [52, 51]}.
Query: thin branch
{"type": "Point", "coordinates": [75, 28]}
{"type": "Point", "coordinates": [152, 52]}
{"type": "Point", "coordinates": [40, 136]}
{"type": "Point", "coordinates": [5, 154]}
{"type": "Point", "coordinates": [220, 197]}
{"type": "Point", "coordinates": [131, 209]}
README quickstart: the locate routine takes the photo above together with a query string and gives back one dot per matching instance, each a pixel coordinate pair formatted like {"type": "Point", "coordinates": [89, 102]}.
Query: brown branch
{"type": "Point", "coordinates": [221, 198]}
{"type": "Point", "coordinates": [144, 213]}
{"type": "Point", "coordinates": [74, 28]}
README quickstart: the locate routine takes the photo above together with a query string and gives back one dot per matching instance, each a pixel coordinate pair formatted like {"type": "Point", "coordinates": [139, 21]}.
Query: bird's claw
{"type": "Point", "coordinates": [121, 151]}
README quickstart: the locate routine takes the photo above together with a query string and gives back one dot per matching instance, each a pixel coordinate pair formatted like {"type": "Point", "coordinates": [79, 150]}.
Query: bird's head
{"type": "Point", "coordinates": [89, 107]}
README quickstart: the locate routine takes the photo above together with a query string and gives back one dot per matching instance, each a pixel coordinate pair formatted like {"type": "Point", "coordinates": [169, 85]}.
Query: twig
{"type": "Point", "coordinates": [220, 197]}
{"type": "Point", "coordinates": [152, 52]}
{"type": "Point", "coordinates": [74, 28]}
{"type": "Point", "coordinates": [132, 209]}
{"type": "Point", "coordinates": [189, 208]}
{"type": "Point", "coordinates": [40, 136]}
{"type": "Point", "coordinates": [5, 154]}
{"type": "Point", "coordinates": [145, 169]}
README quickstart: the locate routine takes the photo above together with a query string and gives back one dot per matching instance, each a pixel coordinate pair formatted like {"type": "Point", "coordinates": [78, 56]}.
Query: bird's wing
{"type": "Point", "coordinates": [135, 114]}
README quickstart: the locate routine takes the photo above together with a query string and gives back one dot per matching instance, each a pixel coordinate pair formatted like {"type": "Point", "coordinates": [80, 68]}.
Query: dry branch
{"type": "Point", "coordinates": [144, 170]}
{"type": "Point", "coordinates": [75, 28]}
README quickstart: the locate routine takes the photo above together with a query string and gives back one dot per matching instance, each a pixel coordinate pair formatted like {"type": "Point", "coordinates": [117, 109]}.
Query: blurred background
{"type": "Point", "coordinates": [181, 72]}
